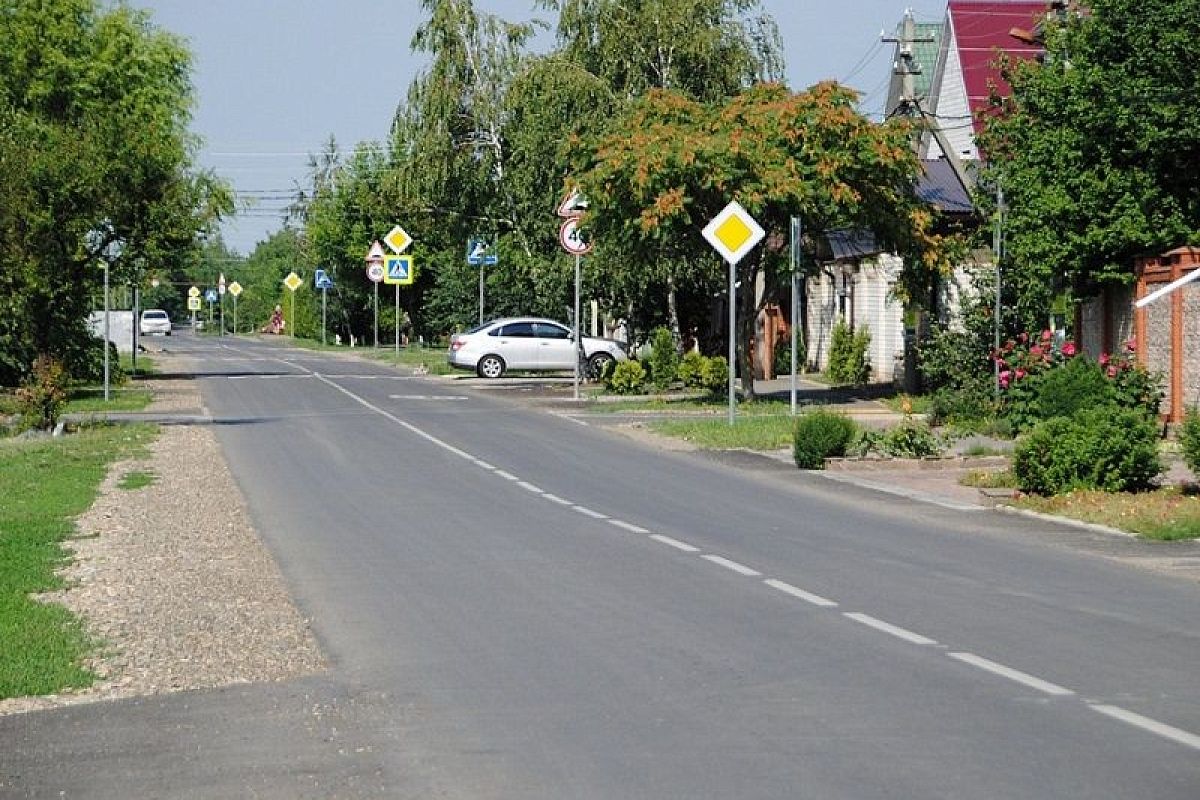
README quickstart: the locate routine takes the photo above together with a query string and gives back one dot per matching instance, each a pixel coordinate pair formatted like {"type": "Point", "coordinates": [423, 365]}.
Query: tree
{"type": "Point", "coordinates": [706, 50]}
{"type": "Point", "coordinates": [94, 165]}
{"type": "Point", "coordinates": [669, 164]}
{"type": "Point", "coordinates": [1096, 149]}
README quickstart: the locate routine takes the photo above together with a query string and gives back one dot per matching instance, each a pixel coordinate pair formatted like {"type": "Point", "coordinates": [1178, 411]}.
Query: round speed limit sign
{"type": "Point", "coordinates": [375, 271]}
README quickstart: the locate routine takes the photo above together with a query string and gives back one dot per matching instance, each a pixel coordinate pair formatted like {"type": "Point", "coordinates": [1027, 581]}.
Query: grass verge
{"type": "Point", "coordinates": [90, 400]}
{"type": "Point", "coordinates": [1166, 514]}
{"type": "Point", "coordinates": [751, 432]}
{"type": "Point", "coordinates": [45, 484]}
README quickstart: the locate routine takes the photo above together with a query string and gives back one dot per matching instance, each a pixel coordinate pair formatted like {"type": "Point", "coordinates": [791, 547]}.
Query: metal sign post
{"type": "Point", "coordinates": [733, 233]}
{"type": "Point", "coordinates": [481, 253]}
{"type": "Point", "coordinates": [398, 270]}
{"type": "Point", "coordinates": [375, 274]}
{"type": "Point", "coordinates": [796, 231]}
{"type": "Point", "coordinates": [571, 209]}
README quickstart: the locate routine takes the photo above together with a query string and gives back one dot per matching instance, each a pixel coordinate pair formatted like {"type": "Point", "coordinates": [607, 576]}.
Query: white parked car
{"type": "Point", "coordinates": [155, 320]}
{"type": "Point", "coordinates": [528, 343]}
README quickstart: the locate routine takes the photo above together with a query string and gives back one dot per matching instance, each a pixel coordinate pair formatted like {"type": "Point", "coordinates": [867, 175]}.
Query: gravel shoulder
{"type": "Point", "coordinates": [172, 580]}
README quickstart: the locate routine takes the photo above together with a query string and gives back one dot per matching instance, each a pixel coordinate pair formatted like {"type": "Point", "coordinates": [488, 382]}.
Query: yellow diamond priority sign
{"type": "Point", "coordinates": [293, 281]}
{"type": "Point", "coordinates": [235, 288]}
{"type": "Point", "coordinates": [398, 240]}
{"type": "Point", "coordinates": [733, 232]}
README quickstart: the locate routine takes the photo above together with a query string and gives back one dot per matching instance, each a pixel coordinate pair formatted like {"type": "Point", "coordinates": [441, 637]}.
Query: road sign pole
{"type": "Point", "coordinates": [235, 297]}
{"type": "Point", "coordinates": [481, 268]}
{"type": "Point", "coordinates": [732, 334]}
{"type": "Point", "coordinates": [222, 316]}
{"type": "Point", "coordinates": [796, 231]}
{"type": "Point", "coordinates": [578, 341]}
{"type": "Point", "coordinates": [324, 297]}
{"type": "Point", "coordinates": [397, 320]}
{"type": "Point", "coordinates": [136, 327]}
{"type": "Point", "coordinates": [106, 332]}
{"type": "Point", "coordinates": [376, 315]}
{"type": "Point", "coordinates": [293, 322]}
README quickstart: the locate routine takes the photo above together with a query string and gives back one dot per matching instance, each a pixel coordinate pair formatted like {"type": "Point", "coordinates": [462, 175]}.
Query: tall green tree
{"type": "Point", "coordinates": [670, 164]}
{"type": "Point", "coordinates": [1096, 149]}
{"type": "Point", "coordinates": [707, 50]}
{"type": "Point", "coordinates": [95, 166]}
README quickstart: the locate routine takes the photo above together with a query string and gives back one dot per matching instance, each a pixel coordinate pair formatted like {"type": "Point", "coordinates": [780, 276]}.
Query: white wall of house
{"type": "Point", "coordinates": [868, 303]}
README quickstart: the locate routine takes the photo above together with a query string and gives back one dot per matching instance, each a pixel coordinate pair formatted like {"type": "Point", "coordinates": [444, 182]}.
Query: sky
{"type": "Point", "coordinates": [276, 78]}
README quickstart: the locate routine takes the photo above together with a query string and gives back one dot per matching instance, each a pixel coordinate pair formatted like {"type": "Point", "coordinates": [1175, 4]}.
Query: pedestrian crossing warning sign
{"type": "Point", "coordinates": [399, 270]}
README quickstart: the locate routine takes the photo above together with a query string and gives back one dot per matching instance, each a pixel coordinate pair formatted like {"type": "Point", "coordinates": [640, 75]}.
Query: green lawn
{"type": "Point", "coordinates": [90, 400]}
{"type": "Point", "coordinates": [1165, 514]}
{"type": "Point", "coordinates": [750, 432]}
{"type": "Point", "coordinates": [45, 484]}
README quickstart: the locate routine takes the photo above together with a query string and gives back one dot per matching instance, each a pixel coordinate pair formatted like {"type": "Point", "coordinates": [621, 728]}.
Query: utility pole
{"type": "Point", "coordinates": [913, 105]}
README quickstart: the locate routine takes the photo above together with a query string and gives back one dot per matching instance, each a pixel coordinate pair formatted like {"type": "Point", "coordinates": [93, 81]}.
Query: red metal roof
{"type": "Point", "coordinates": [981, 31]}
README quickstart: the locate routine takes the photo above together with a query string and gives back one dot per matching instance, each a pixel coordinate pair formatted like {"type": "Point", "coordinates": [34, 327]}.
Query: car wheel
{"type": "Point", "coordinates": [597, 364]}
{"type": "Point", "coordinates": [490, 367]}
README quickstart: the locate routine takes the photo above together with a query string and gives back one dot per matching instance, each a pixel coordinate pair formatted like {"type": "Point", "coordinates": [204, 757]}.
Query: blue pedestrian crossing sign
{"type": "Point", "coordinates": [480, 252]}
{"type": "Point", "coordinates": [398, 270]}
{"type": "Point", "coordinates": [321, 279]}
{"type": "Point", "coordinates": [211, 295]}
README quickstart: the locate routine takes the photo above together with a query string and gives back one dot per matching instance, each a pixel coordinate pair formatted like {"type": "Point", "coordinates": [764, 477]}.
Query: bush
{"type": "Point", "coordinates": [714, 375]}
{"type": "Point", "coordinates": [1189, 440]}
{"type": "Point", "coordinates": [664, 359]}
{"type": "Point", "coordinates": [848, 355]}
{"type": "Point", "coordinates": [1077, 384]}
{"type": "Point", "coordinates": [627, 377]}
{"type": "Point", "coordinates": [910, 439]}
{"type": "Point", "coordinates": [1108, 448]}
{"type": "Point", "coordinates": [43, 395]}
{"type": "Point", "coordinates": [968, 406]}
{"type": "Point", "coordinates": [691, 368]}
{"type": "Point", "coordinates": [820, 434]}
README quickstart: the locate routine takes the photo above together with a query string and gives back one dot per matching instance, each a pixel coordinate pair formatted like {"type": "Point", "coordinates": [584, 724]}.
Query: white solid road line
{"type": "Point", "coordinates": [807, 597]}
{"type": "Point", "coordinates": [562, 501]}
{"type": "Point", "coordinates": [678, 545]}
{"type": "Point", "coordinates": [1023, 678]}
{"type": "Point", "coordinates": [889, 628]}
{"type": "Point", "coordinates": [1153, 726]}
{"type": "Point", "coordinates": [741, 569]}
{"type": "Point", "coordinates": [526, 485]}
{"type": "Point", "coordinates": [628, 526]}
{"type": "Point", "coordinates": [508, 476]}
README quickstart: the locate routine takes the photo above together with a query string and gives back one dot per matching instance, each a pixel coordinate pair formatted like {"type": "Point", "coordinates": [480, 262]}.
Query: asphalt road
{"type": "Point", "coordinates": [517, 605]}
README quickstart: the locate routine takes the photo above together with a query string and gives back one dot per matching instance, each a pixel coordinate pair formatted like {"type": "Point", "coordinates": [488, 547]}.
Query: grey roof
{"type": "Point", "coordinates": [941, 188]}
{"type": "Point", "coordinates": [846, 244]}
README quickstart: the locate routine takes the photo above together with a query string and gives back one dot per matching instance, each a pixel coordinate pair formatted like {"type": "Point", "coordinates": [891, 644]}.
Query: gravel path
{"type": "Point", "coordinates": [172, 578]}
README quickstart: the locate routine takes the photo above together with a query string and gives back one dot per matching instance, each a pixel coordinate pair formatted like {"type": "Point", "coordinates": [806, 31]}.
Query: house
{"type": "Point", "coordinates": [944, 71]}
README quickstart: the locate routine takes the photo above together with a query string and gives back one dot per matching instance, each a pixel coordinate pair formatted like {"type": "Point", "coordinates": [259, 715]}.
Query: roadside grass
{"type": "Point", "coordinates": [46, 483]}
{"type": "Point", "coordinates": [750, 432]}
{"type": "Point", "coordinates": [136, 480]}
{"type": "Point", "coordinates": [908, 403]}
{"type": "Point", "coordinates": [90, 400]}
{"type": "Point", "coordinates": [989, 479]}
{"type": "Point", "coordinates": [1166, 514]}
{"type": "Point", "coordinates": [694, 405]}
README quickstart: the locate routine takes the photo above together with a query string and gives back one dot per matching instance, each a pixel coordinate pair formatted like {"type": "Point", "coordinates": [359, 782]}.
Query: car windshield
{"type": "Point", "coordinates": [154, 315]}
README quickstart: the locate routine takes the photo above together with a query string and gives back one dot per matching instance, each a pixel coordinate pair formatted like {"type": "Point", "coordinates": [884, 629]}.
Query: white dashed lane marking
{"type": "Point", "coordinates": [678, 545]}
{"type": "Point", "coordinates": [889, 628]}
{"type": "Point", "coordinates": [741, 569]}
{"type": "Point", "coordinates": [1153, 726]}
{"type": "Point", "coordinates": [1023, 678]}
{"type": "Point", "coordinates": [807, 597]}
